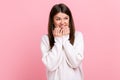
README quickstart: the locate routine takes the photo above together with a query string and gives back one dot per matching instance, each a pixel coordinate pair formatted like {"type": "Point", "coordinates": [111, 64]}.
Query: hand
{"type": "Point", "coordinates": [65, 31]}
{"type": "Point", "coordinates": [57, 32]}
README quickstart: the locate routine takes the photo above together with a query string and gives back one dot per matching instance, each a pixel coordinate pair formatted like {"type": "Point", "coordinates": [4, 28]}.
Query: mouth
{"type": "Point", "coordinates": [62, 26]}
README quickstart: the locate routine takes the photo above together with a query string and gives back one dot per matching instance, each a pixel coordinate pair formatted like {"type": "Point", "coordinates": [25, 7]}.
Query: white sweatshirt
{"type": "Point", "coordinates": [64, 60]}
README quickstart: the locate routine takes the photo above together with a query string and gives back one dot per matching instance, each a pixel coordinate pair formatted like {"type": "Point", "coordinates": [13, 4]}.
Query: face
{"type": "Point", "coordinates": [61, 20]}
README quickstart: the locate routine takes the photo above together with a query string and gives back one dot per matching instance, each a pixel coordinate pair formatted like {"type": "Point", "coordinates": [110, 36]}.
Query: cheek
{"type": "Point", "coordinates": [56, 22]}
{"type": "Point", "coordinates": [67, 22]}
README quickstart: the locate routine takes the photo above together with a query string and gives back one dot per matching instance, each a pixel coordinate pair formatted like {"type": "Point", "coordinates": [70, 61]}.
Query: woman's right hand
{"type": "Point", "coordinates": [57, 32]}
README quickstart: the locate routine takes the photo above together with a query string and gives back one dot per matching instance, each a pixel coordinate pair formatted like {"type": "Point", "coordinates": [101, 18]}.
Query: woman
{"type": "Point", "coordinates": [62, 48]}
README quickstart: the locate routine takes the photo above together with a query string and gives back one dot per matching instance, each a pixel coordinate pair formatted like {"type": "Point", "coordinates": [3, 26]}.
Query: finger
{"type": "Point", "coordinates": [65, 31]}
{"type": "Point", "coordinates": [68, 30]}
{"type": "Point", "coordinates": [56, 32]}
{"type": "Point", "coordinates": [62, 31]}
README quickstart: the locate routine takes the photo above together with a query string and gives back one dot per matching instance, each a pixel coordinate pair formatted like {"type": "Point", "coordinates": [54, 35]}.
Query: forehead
{"type": "Point", "coordinates": [60, 14]}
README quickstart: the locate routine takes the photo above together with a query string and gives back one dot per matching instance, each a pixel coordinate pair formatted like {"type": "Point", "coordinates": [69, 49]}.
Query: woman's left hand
{"type": "Point", "coordinates": [65, 31]}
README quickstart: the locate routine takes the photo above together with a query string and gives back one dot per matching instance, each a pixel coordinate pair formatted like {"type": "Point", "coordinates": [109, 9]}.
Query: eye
{"type": "Point", "coordinates": [57, 19]}
{"type": "Point", "coordinates": [66, 18]}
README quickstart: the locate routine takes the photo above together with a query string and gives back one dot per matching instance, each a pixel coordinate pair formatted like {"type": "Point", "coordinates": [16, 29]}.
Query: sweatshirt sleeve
{"type": "Point", "coordinates": [51, 58]}
{"type": "Point", "coordinates": [74, 52]}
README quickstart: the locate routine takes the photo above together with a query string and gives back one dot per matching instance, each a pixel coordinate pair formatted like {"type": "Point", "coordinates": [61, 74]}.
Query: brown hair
{"type": "Point", "coordinates": [56, 9]}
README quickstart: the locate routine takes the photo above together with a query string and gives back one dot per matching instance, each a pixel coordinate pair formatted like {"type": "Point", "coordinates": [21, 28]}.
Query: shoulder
{"type": "Point", "coordinates": [45, 38]}
{"type": "Point", "coordinates": [78, 34]}
{"type": "Point", "coordinates": [78, 38]}
{"type": "Point", "coordinates": [45, 41]}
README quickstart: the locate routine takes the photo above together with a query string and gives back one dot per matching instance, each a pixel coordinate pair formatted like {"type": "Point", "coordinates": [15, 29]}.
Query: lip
{"type": "Point", "coordinates": [63, 25]}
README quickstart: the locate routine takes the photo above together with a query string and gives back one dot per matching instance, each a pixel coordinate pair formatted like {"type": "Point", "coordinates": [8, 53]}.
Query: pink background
{"type": "Point", "coordinates": [23, 22]}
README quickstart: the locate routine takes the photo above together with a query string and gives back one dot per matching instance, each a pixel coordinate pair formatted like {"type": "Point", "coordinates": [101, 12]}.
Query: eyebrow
{"type": "Point", "coordinates": [60, 17]}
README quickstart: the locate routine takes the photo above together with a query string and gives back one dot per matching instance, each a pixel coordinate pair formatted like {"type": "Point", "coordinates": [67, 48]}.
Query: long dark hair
{"type": "Point", "coordinates": [56, 9]}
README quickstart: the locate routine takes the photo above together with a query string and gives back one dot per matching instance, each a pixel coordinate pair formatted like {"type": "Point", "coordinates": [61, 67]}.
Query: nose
{"type": "Point", "coordinates": [62, 21]}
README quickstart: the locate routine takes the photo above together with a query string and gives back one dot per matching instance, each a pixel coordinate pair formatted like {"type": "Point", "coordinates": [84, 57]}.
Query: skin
{"type": "Point", "coordinates": [61, 22]}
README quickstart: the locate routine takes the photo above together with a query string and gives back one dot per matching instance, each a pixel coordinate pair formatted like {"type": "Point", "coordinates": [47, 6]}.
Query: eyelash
{"type": "Point", "coordinates": [59, 18]}
{"type": "Point", "coordinates": [66, 18]}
